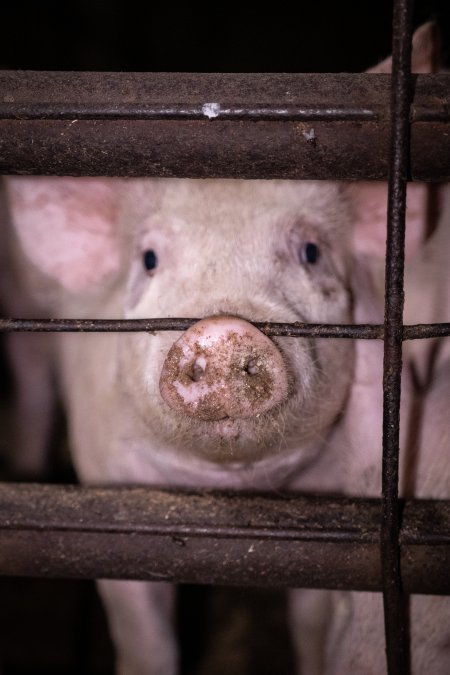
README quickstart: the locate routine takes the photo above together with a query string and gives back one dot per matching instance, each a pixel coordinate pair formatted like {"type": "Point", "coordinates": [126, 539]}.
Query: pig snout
{"type": "Point", "coordinates": [223, 367]}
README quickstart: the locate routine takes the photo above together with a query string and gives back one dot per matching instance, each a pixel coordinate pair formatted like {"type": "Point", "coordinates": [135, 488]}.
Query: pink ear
{"type": "Point", "coordinates": [67, 227]}
{"type": "Point", "coordinates": [425, 55]}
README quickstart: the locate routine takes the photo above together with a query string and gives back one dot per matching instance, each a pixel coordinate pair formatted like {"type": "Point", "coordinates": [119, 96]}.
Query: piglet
{"type": "Point", "coordinates": [220, 405]}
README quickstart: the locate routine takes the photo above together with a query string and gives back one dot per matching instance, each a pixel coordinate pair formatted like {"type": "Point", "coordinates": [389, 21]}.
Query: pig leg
{"type": "Point", "coordinates": [309, 610]}
{"type": "Point", "coordinates": [356, 639]}
{"type": "Point", "coordinates": [30, 361]}
{"type": "Point", "coordinates": [140, 616]}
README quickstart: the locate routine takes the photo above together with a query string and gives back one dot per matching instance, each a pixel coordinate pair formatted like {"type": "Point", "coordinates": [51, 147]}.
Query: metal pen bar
{"type": "Point", "coordinates": [395, 615]}
{"type": "Point", "coordinates": [210, 537]}
{"type": "Point", "coordinates": [61, 111]}
{"type": "Point", "coordinates": [350, 331]}
{"type": "Point", "coordinates": [323, 126]}
{"type": "Point", "coordinates": [366, 331]}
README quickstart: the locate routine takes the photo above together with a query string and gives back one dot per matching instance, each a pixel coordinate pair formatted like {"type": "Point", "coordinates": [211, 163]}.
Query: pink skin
{"type": "Point", "coordinates": [223, 367]}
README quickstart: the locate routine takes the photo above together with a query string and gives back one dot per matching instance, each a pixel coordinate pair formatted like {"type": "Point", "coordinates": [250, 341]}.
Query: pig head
{"type": "Point", "coordinates": [222, 396]}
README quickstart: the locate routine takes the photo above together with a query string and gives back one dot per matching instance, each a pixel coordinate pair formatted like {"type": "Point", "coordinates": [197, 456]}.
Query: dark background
{"type": "Point", "coordinates": [58, 627]}
{"type": "Point", "coordinates": [313, 36]}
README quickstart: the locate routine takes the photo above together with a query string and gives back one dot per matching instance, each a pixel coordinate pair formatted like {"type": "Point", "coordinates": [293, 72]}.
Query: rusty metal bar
{"type": "Point", "coordinates": [320, 126]}
{"type": "Point", "coordinates": [257, 540]}
{"type": "Point", "coordinates": [395, 615]}
{"type": "Point", "coordinates": [244, 96]}
{"type": "Point", "coordinates": [179, 324]}
{"type": "Point", "coordinates": [351, 331]}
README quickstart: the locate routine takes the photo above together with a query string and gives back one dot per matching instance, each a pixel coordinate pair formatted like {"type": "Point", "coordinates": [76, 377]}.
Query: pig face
{"type": "Point", "coordinates": [235, 251]}
{"type": "Point", "coordinates": [228, 251]}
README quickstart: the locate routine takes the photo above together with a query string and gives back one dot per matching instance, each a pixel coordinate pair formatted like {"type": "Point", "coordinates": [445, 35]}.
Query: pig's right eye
{"type": "Point", "coordinates": [150, 260]}
{"type": "Point", "coordinates": [309, 253]}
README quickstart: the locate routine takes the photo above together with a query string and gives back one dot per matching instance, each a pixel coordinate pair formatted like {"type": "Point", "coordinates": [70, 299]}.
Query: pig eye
{"type": "Point", "coordinates": [309, 253]}
{"type": "Point", "coordinates": [150, 260]}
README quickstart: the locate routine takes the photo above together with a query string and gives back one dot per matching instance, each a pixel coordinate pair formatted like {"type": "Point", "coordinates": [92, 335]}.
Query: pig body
{"type": "Point", "coordinates": [232, 250]}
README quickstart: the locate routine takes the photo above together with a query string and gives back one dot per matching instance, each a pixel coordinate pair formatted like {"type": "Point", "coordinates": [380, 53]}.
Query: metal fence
{"type": "Point", "coordinates": [394, 128]}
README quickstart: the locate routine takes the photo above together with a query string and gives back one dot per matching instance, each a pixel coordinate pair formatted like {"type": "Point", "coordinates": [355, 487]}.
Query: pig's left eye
{"type": "Point", "coordinates": [309, 253]}
{"type": "Point", "coordinates": [150, 260]}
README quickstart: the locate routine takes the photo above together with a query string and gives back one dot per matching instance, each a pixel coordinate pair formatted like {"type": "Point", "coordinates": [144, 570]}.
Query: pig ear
{"type": "Point", "coordinates": [369, 200]}
{"type": "Point", "coordinates": [67, 227]}
{"type": "Point", "coordinates": [426, 51]}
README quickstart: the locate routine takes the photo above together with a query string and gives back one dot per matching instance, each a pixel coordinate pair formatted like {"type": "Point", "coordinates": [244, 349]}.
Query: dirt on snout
{"type": "Point", "coordinates": [237, 380]}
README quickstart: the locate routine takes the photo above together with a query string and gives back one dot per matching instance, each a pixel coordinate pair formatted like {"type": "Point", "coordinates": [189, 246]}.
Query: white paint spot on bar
{"type": "Point", "coordinates": [211, 110]}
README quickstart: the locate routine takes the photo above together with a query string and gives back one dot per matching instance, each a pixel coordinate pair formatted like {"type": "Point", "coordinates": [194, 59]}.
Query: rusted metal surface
{"type": "Point", "coordinates": [351, 331]}
{"type": "Point", "coordinates": [223, 125]}
{"type": "Point", "coordinates": [186, 92]}
{"type": "Point", "coordinates": [193, 149]}
{"type": "Point", "coordinates": [142, 533]}
{"type": "Point", "coordinates": [395, 614]}
{"type": "Point", "coordinates": [430, 148]}
{"type": "Point", "coordinates": [430, 98]}
{"type": "Point", "coordinates": [430, 137]}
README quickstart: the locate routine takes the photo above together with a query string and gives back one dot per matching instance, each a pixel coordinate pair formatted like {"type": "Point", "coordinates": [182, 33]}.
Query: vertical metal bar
{"type": "Point", "coordinates": [395, 617]}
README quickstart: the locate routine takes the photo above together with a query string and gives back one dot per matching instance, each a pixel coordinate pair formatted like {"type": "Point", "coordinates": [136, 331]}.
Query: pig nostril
{"type": "Point", "coordinates": [198, 371]}
{"type": "Point", "coordinates": [252, 367]}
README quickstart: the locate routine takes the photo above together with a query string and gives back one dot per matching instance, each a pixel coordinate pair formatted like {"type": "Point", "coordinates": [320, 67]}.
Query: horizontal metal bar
{"type": "Point", "coordinates": [430, 101]}
{"type": "Point", "coordinates": [180, 324]}
{"type": "Point", "coordinates": [91, 95]}
{"type": "Point", "coordinates": [218, 125]}
{"type": "Point", "coordinates": [175, 93]}
{"type": "Point", "coordinates": [351, 331]}
{"type": "Point", "coordinates": [425, 330]}
{"type": "Point", "coordinates": [194, 149]}
{"type": "Point", "coordinates": [149, 534]}
{"type": "Point", "coordinates": [210, 111]}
